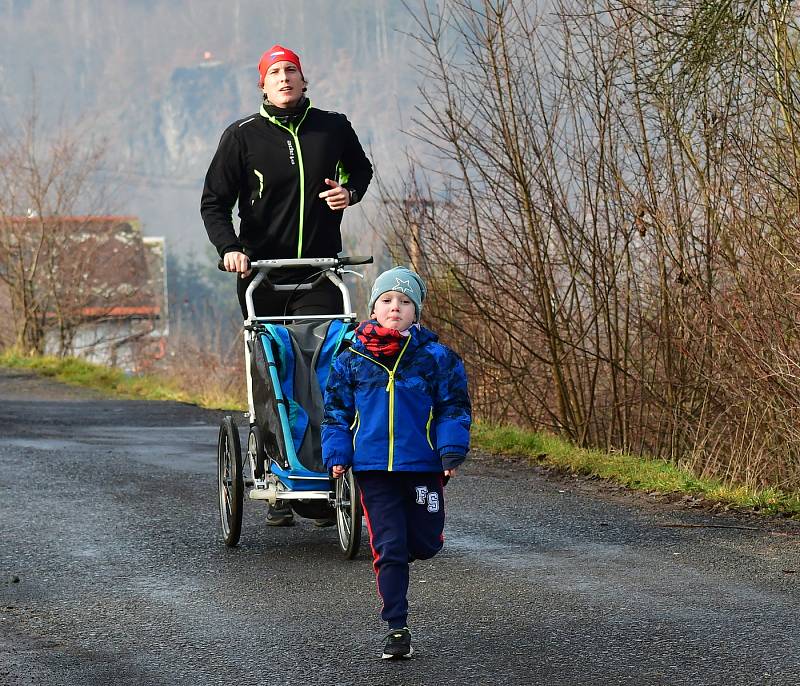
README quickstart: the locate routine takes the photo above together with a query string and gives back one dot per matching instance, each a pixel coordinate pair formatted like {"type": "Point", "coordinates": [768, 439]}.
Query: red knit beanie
{"type": "Point", "coordinates": [276, 53]}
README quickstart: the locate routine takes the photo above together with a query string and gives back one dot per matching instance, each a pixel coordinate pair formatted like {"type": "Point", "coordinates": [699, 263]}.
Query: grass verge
{"type": "Point", "coordinates": [116, 382]}
{"type": "Point", "coordinates": [650, 475]}
{"type": "Point", "coordinates": [645, 474]}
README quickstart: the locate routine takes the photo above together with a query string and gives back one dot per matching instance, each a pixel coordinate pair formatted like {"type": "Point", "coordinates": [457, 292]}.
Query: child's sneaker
{"type": "Point", "coordinates": [398, 644]}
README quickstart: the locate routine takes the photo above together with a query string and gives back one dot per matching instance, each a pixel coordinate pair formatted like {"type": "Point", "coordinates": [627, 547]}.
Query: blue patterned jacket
{"type": "Point", "coordinates": [402, 419]}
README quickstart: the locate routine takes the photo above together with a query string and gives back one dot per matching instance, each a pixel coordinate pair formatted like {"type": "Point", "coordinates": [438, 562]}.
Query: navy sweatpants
{"type": "Point", "coordinates": [405, 519]}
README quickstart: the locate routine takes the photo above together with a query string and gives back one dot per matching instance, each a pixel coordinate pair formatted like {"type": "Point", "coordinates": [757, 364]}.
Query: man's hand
{"type": "Point", "coordinates": [338, 197]}
{"type": "Point", "coordinates": [237, 262]}
{"type": "Point", "coordinates": [337, 470]}
{"type": "Point", "coordinates": [449, 473]}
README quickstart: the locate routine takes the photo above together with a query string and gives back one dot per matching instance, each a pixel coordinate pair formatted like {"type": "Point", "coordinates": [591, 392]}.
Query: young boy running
{"type": "Point", "coordinates": [397, 411]}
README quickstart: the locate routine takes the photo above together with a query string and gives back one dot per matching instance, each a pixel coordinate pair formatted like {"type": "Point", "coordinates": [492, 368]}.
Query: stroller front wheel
{"type": "Point", "coordinates": [230, 481]}
{"type": "Point", "coordinates": [348, 514]}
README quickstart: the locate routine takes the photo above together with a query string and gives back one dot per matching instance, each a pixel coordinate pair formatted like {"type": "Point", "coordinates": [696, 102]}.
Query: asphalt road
{"type": "Point", "coordinates": [112, 571]}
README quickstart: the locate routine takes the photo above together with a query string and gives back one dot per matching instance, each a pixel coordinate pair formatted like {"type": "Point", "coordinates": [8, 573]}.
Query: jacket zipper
{"type": "Point", "coordinates": [292, 129]}
{"type": "Point", "coordinates": [302, 186]}
{"type": "Point", "coordinates": [390, 391]}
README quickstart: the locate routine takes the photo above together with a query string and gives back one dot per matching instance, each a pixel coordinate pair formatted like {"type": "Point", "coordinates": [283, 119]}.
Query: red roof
{"type": "Point", "coordinates": [106, 272]}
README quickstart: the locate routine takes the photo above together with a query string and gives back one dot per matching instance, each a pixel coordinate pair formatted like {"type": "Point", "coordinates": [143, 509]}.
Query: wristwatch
{"type": "Point", "coordinates": [353, 196]}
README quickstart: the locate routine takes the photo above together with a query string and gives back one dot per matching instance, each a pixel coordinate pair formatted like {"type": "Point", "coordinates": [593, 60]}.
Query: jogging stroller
{"type": "Point", "coordinates": [287, 361]}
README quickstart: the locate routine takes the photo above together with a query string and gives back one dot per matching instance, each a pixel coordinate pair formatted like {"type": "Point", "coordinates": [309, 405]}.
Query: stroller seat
{"type": "Point", "coordinates": [301, 355]}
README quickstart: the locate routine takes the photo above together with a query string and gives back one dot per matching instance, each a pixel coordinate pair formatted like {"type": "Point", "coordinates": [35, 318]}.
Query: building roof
{"type": "Point", "coordinates": [101, 266]}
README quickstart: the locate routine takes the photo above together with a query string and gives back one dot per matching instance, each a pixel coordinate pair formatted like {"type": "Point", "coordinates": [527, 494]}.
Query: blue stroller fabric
{"type": "Point", "coordinates": [304, 354]}
{"type": "Point", "coordinates": [298, 417]}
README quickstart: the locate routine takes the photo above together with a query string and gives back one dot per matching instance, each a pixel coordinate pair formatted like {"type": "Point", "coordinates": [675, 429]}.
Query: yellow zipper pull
{"type": "Point", "coordinates": [391, 380]}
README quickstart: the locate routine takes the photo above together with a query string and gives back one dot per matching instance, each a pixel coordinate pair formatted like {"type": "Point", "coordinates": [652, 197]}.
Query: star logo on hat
{"type": "Point", "coordinates": [400, 287]}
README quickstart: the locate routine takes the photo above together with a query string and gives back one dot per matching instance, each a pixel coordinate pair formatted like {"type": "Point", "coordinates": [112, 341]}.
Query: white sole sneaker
{"type": "Point", "coordinates": [386, 656]}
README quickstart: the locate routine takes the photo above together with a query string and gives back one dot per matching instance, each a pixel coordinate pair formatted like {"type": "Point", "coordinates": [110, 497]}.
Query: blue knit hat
{"type": "Point", "coordinates": [403, 280]}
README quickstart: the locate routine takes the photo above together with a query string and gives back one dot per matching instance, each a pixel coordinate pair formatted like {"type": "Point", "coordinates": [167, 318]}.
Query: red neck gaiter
{"type": "Point", "coordinates": [380, 341]}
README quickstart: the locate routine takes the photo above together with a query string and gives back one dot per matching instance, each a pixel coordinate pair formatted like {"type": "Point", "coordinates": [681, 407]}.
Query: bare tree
{"type": "Point", "coordinates": [45, 178]}
{"type": "Point", "coordinates": [609, 221]}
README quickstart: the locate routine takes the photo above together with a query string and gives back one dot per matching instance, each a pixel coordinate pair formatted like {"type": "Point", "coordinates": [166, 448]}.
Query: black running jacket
{"type": "Point", "coordinates": [276, 172]}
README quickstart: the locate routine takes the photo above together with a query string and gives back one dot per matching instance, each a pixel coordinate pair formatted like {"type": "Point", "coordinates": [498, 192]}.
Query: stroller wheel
{"type": "Point", "coordinates": [348, 514]}
{"type": "Point", "coordinates": [255, 451]}
{"type": "Point", "coordinates": [230, 481]}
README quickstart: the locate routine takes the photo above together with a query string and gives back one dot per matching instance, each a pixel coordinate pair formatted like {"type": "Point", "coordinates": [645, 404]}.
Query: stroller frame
{"type": "Point", "coordinates": [266, 477]}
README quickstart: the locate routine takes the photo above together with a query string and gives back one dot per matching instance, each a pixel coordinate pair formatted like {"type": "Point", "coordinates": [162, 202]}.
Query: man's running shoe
{"type": "Point", "coordinates": [398, 644]}
{"type": "Point", "coordinates": [280, 515]}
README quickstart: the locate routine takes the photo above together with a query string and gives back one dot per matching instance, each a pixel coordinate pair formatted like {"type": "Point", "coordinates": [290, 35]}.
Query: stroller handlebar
{"type": "Point", "coordinates": [355, 259]}
{"type": "Point", "coordinates": [328, 269]}
{"type": "Point", "coordinates": [321, 262]}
